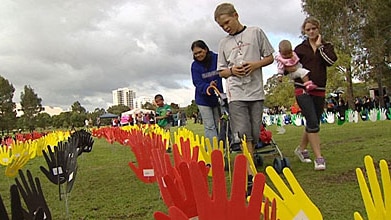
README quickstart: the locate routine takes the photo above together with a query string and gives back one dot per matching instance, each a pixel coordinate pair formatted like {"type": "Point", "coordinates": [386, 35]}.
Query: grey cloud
{"type": "Point", "coordinates": [74, 50]}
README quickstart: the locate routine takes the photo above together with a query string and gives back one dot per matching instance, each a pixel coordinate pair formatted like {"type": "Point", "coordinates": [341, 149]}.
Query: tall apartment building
{"type": "Point", "coordinates": [139, 101]}
{"type": "Point", "coordinates": [124, 96]}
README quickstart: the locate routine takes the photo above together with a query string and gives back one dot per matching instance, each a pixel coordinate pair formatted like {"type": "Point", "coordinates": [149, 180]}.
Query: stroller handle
{"type": "Point", "coordinates": [216, 90]}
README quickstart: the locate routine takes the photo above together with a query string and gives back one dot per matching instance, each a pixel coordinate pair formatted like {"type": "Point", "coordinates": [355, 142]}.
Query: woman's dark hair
{"type": "Point", "coordinates": [207, 62]}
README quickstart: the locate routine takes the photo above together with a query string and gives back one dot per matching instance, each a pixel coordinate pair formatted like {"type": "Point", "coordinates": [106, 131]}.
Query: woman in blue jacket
{"type": "Point", "coordinates": [204, 74]}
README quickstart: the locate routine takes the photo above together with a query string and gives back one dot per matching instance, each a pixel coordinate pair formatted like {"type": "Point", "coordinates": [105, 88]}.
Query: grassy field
{"type": "Point", "coordinates": [106, 188]}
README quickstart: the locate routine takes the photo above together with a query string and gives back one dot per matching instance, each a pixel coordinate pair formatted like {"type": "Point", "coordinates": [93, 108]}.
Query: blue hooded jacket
{"type": "Point", "coordinates": [202, 76]}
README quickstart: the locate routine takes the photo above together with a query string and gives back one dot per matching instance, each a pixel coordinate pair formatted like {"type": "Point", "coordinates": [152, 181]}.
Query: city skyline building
{"type": "Point", "coordinates": [140, 101]}
{"type": "Point", "coordinates": [124, 96]}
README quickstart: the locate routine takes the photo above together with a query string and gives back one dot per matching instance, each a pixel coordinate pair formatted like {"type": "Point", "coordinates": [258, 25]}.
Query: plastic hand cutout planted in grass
{"type": "Point", "coordinates": [33, 197]}
{"type": "Point", "coordinates": [377, 201]}
{"type": "Point", "coordinates": [5, 155]}
{"type": "Point", "coordinates": [297, 120]}
{"type": "Point", "coordinates": [56, 165]}
{"type": "Point", "coordinates": [142, 146]}
{"type": "Point", "coordinates": [185, 153]}
{"type": "Point", "coordinates": [181, 191]}
{"type": "Point", "coordinates": [62, 163]}
{"type": "Point", "coordinates": [288, 207]}
{"type": "Point", "coordinates": [17, 163]}
{"type": "Point", "coordinates": [17, 210]}
{"type": "Point", "coordinates": [217, 205]}
{"type": "Point", "coordinates": [382, 114]}
{"type": "Point", "coordinates": [162, 166]}
{"type": "Point", "coordinates": [372, 115]}
{"type": "Point", "coordinates": [84, 141]}
{"type": "Point", "coordinates": [293, 202]}
{"type": "Point", "coordinates": [330, 117]}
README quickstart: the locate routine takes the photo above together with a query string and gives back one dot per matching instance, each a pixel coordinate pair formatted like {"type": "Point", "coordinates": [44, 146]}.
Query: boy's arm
{"type": "Point", "coordinates": [225, 73]}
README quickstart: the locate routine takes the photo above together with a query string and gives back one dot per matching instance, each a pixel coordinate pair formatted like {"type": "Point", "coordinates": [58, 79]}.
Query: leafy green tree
{"type": "Point", "coordinates": [77, 119]}
{"type": "Point", "coordinates": [279, 93]}
{"type": "Point", "coordinates": [149, 106]}
{"type": "Point", "coordinates": [174, 106]}
{"type": "Point", "coordinates": [44, 120]}
{"type": "Point", "coordinates": [191, 109]}
{"type": "Point", "coordinates": [78, 115]}
{"type": "Point", "coordinates": [118, 109]}
{"type": "Point", "coordinates": [62, 120]}
{"type": "Point", "coordinates": [376, 37]}
{"type": "Point", "coordinates": [77, 108]}
{"type": "Point", "coordinates": [95, 114]}
{"type": "Point", "coordinates": [7, 106]}
{"type": "Point", "coordinates": [31, 106]}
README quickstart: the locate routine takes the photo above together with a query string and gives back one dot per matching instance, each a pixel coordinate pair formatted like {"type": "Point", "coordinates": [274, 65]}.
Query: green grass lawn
{"type": "Point", "coordinates": [106, 188]}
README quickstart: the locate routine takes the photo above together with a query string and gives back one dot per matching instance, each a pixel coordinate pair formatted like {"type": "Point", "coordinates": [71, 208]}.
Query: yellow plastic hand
{"type": "Point", "coordinates": [376, 207]}
{"type": "Point", "coordinates": [357, 216]}
{"type": "Point", "coordinates": [293, 202]}
{"type": "Point", "coordinates": [16, 164]}
{"type": "Point", "coordinates": [248, 156]}
{"type": "Point", "coordinates": [5, 155]}
{"type": "Point", "coordinates": [206, 154]}
{"type": "Point", "coordinates": [20, 148]}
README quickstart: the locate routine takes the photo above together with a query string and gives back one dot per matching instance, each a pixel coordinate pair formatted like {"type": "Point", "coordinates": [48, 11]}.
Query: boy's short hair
{"type": "Point", "coordinates": [224, 9]}
{"type": "Point", "coordinates": [159, 96]}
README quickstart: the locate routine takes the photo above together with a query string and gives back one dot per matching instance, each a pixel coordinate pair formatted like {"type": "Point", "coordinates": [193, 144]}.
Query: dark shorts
{"type": "Point", "coordinates": [312, 108]}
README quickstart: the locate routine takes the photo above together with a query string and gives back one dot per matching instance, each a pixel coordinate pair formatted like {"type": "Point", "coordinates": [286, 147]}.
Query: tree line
{"type": "Point", "coordinates": [34, 116]}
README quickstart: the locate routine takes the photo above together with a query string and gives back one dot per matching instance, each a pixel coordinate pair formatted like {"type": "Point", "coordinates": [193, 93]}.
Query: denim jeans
{"type": "Point", "coordinates": [210, 119]}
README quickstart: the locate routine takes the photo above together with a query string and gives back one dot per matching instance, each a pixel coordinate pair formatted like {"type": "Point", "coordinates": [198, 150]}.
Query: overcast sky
{"type": "Point", "coordinates": [81, 50]}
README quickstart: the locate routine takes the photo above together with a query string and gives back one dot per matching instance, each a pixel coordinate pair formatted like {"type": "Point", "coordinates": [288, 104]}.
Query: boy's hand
{"type": "Point", "coordinates": [239, 70]}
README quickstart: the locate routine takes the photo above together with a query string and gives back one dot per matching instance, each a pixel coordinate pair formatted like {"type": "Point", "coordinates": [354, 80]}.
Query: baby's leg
{"type": "Point", "coordinates": [309, 85]}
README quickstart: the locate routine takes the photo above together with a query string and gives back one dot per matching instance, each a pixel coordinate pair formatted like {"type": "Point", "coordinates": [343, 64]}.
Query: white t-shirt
{"type": "Point", "coordinates": [249, 45]}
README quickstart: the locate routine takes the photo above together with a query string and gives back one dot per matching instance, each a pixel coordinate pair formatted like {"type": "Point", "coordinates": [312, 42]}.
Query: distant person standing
{"type": "Point", "coordinates": [163, 112]}
{"type": "Point", "coordinates": [86, 123]}
{"type": "Point", "coordinates": [204, 74]}
{"type": "Point", "coordinates": [98, 122]}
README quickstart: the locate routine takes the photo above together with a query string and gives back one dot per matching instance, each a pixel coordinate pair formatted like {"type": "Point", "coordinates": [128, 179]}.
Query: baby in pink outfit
{"type": "Point", "coordinates": [288, 58]}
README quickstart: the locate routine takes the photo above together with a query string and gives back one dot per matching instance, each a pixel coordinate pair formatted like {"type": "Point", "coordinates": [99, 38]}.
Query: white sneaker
{"type": "Point", "coordinates": [320, 164]}
{"type": "Point", "coordinates": [304, 156]}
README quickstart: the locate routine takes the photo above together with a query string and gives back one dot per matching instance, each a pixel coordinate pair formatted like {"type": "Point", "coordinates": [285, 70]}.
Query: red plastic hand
{"type": "Point", "coordinates": [174, 214]}
{"type": "Point", "coordinates": [162, 167]}
{"type": "Point", "coordinates": [184, 200]}
{"type": "Point", "coordinates": [180, 190]}
{"type": "Point", "coordinates": [218, 206]}
{"type": "Point", "coordinates": [186, 154]}
{"type": "Point", "coordinates": [142, 146]}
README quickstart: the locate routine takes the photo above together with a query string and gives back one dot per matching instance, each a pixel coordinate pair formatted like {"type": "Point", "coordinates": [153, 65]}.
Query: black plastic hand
{"type": "Point", "coordinates": [84, 139]}
{"type": "Point", "coordinates": [56, 172]}
{"type": "Point", "coordinates": [71, 164]}
{"type": "Point", "coordinates": [33, 196]}
{"type": "Point", "coordinates": [16, 206]}
{"type": "Point", "coordinates": [3, 211]}
{"type": "Point", "coordinates": [86, 142]}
